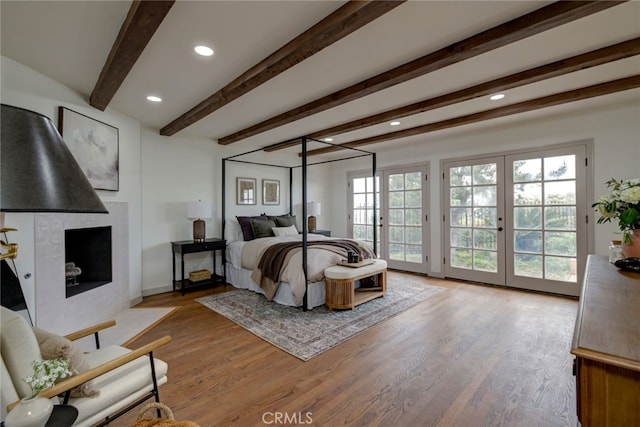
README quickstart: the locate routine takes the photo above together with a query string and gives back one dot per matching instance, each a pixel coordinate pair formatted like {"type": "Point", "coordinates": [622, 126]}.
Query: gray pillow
{"type": "Point", "coordinates": [286, 221]}
{"type": "Point", "coordinates": [262, 228]}
{"type": "Point", "coordinates": [245, 225]}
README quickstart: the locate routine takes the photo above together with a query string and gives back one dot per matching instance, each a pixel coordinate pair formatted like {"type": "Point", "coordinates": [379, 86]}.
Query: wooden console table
{"type": "Point", "coordinates": [606, 344]}
{"type": "Point", "coordinates": [189, 247]}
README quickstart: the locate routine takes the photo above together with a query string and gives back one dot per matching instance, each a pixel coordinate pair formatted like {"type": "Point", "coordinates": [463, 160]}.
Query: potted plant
{"type": "Point", "coordinates": [623, 205]}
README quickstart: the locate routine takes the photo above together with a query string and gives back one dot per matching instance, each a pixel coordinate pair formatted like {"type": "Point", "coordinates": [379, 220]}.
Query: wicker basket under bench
{"type": "Point", "coordinates": [340, 284]}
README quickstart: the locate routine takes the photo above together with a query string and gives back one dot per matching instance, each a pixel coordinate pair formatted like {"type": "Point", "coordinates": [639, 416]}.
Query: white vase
{"type": "Point", "coordinates": [30, 412]}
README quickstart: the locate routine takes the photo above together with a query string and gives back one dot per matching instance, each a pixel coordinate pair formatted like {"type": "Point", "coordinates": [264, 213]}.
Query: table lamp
{"type": "Point", "coordinates": [313, 209]}
{"type": "Point", "coordinates": [197, 211]}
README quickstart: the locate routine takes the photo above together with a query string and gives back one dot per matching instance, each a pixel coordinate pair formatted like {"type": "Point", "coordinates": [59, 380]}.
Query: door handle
{"type": "Point", "coordinates": [499, 228]}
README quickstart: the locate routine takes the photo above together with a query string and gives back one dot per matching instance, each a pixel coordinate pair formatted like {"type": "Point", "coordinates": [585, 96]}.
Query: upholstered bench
{"type": "Point", "coordinates": [340, 284]}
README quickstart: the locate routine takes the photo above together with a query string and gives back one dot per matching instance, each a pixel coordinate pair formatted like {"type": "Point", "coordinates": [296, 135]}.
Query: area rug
{"type": "Point", "coordinates": [307, 334]}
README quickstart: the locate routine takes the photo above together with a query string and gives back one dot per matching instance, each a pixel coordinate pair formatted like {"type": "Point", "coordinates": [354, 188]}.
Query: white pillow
{"type": "Point", "coordinates": [232, 231]}
{"type": "Point", "coordinates": [285, 231]}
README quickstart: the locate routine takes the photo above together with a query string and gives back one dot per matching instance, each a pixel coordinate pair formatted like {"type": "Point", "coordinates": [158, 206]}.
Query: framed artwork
{"type": "Point", "coordinates": [270, 192]}
{"type": "Point", "coordinates": [246, 189]}
{"type": "Point", "coordinates": [94, 145]}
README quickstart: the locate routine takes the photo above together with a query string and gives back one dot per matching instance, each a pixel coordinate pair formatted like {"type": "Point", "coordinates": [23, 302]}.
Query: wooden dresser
{"type": "Point", "coordinates": [606, 343]}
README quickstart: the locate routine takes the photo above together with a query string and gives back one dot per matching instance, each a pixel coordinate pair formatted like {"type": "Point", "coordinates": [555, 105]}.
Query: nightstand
{"type": "Point", "coordinates": [189, 247]}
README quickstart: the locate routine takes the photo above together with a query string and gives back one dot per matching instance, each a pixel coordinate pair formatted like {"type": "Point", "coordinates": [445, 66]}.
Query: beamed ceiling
{"type": "Point", "coordinates": [283, 69]}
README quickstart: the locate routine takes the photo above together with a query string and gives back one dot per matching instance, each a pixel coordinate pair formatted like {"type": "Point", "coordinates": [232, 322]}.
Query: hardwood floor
{"type": "Point", "coordinates": [470, 356]}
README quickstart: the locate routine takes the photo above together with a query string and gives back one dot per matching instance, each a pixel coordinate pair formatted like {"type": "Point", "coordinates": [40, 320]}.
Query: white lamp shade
{"type": "Point", "coordinates": [314, 208]}
{"type": "Point", "coordinates": [199, 209]}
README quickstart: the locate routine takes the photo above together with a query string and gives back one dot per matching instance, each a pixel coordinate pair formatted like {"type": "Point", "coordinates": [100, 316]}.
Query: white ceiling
{"type": "Point", "coordinates": [69, 41]}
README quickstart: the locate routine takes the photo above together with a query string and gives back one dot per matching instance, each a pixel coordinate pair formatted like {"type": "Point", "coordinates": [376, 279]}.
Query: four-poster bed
{"type": "Point", "coordinates": [243, 256]}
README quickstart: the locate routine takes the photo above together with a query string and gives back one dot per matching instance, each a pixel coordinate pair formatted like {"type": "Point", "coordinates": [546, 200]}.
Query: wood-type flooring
{"type": "Point", "coordinates": [473, 355]}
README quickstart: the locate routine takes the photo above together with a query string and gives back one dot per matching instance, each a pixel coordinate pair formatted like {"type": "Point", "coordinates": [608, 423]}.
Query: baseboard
{"type": "Point", "coordinates": [158, 290]}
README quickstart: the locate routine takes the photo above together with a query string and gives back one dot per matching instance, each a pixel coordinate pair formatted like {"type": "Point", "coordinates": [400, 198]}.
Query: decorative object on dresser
{"type": "Point", "coordinates": [623, 205]}
{"type": "Point", "coordinates": [606, 343]}
{"type": "Point", "coordinates": [198, 210]}
{"type": "Point", "coordinates": [94, 145]}
{"type": "Point", "coordinates": [313, 209]}
{"type": "Point", "coordinates": [189, 247]}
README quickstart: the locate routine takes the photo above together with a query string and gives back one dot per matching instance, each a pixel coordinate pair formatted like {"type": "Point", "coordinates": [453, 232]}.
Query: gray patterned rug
{"type": "Point", "coordinates": [307, 334]}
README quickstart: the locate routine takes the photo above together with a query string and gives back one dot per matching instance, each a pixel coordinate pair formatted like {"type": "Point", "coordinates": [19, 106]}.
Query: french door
{"type": "Point", "coordinates": [517, 220]}
{"type": "Point", "coordinates": [401, 215]}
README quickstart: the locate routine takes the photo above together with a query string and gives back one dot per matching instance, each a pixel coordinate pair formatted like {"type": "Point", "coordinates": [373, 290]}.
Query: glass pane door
{"type": "Point", "coordinates": [474, 206]}
{"type": "Point", "coordinates": [361, 217]}
{"type": "Point", "coordinates": [546, 196]}
{"type": "Point", "coordinates": [404, 225]}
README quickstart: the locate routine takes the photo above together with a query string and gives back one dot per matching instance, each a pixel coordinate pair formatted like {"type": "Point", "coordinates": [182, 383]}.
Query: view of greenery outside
{"type": "Point", "coordinates": [544, 212]}
{"type": "Point", "coordinates": [473, 217]}
{"type": "Point", "coordinates": [405, 216]}
{"type": "Point", "coordinates": [363, 208]}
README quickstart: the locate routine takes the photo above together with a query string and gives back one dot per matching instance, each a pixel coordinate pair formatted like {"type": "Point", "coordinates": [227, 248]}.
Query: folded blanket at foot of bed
{"type": "Point", "coordinates": [268, 272]}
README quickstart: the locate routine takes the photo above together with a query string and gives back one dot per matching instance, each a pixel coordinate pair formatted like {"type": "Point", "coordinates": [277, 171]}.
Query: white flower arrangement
{"type": "Point", "coordinates": [623, 204]}
{"type": "Point", "coordinates": [46, 373]}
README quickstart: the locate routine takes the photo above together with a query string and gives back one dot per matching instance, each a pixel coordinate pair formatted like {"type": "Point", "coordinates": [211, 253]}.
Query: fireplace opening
{"type": "Point", "coordinates": [87, 254]}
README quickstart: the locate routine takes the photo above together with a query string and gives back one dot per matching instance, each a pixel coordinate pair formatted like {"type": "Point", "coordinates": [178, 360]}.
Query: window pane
{"type": "Point", "coordinates": [527, 194]}
{"type": "Point", "coordinates": [560, 218]}
{"type": "Point", "coordinates": [396, 234]}
{"type": "Point", "coordinates": [396, 252]}
{"type": "Point", "coordinates": [485, 261]}
{"type": "Point", "coordinates": [461, 258]}
{"type": "Point", "coordinates": [396, 216]}
{"type": "Point", "coordinates": [461, 217]}
{"type": "Point", "coordinates": [560, 193]}
{"type": "Point", "coordinates": [413, 235]}
{"type": "Point", "coordinates": [359, 201]}
{"type": "Point", "coordinates": [484, 174]}
{"type": "Point", "coordinates": [528, 265]}
{"type": "Point", "coordinates": [396, 199]}
{"type": "Point", "coordinates": [413, 198]}
{"type": "Point", "coordinates": [527, 218]}
{"type": "Point", "coordinates": [560, 167]}
{"type": "Point", "coordinates": [528, 241]}
{"type": "Point", "coordinates": [485, 217]}
{"type": "Point", "coordinates": [413, 216]}
{"type": "Point", "coordinates": [413, 253]}
{"type": "Point", "coordinates": [396, 182]}
{"type": "Point", "coordinates": [413, 181]}
{"type": "Point", "coordinates": [460, 196]}
{"type": "Point", "coordinates": [485, 239]}
{"type": "Point", "coordinates": [359, 216]}
{"type": "Point", "coordinates": [527, 170]}
{"type": "Point", "coordinates": [460, 176]}
{"type": "Point", "coordinates": [359, 185]}
{"type": "Point", "coordinates": [461, 237]}
{"type": "Point", "coordinates": [559, 243]}
{"type": "Point", "coordinates": [484, 196]}
{"type": "Point", "coordinates": [359, 232]}
{"type": "Point", "coordinates": [563, 269]}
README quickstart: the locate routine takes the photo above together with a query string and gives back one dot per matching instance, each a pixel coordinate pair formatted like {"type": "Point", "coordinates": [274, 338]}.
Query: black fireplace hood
{"type": "Point", "coordinates": [38, 172]}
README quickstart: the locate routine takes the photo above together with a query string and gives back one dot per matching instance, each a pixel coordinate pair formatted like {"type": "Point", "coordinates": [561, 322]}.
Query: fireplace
{"type": "Point", "coordinates": [88, 262]}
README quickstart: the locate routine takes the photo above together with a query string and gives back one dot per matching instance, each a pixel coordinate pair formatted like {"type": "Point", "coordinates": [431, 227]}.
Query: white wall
{"type": "Point", "coordinates": [614, 130]}
{"type": "Point", "coordinates": [23, 87]}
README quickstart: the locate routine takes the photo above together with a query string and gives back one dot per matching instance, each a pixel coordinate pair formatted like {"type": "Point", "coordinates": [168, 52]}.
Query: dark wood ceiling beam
{"type": "Point", "coordinates": [538, 21]}
{"type": "Point", "coordinates": [593, 91]}
{"type": "Point", "coordinates": [594, 58]}
{"type": "Point", "coordinates": [339, 24]}
{"type": "Point", "coordinates": [140, 25]}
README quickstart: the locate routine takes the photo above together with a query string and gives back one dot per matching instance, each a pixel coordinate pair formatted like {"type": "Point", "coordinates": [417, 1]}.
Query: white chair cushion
{"type": "Point", "coordinates": [340, 273]}
{"type": "Point", "coordinates": [7, 391]}
{"type": "Point", "coordinates": [19, 349]}
{"type": "Point", "coordinates": [122, 384]}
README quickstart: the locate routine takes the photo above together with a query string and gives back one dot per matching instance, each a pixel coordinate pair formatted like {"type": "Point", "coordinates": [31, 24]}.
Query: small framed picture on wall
{"type": "Point", "coordinates": [246, 189]}
{"type": "Point", "coordinates": [270, 192]}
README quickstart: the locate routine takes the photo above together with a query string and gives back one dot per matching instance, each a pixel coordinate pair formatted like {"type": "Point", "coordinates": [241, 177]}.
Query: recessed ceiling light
{"type": "Point", "coordinates": [496, 96]}
{"type": "Point", "coordinates": [153, 98]}
{"type": "Point", "coordinates": [203, 50]}
{"type": "Point", "coordinates": [395, 123]}
{"type": "Point", "coordinates": [328, 139]}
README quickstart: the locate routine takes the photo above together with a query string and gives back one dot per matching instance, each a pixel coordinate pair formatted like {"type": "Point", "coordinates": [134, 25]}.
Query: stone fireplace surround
{"type": "Point", "coordinates": [55, 312]}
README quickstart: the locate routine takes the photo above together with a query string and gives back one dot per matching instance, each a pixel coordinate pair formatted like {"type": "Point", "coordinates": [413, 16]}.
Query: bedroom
{"type": "Point", "coordinates": [159, 175]}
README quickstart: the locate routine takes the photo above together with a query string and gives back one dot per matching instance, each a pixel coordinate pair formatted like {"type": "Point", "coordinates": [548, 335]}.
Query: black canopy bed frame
{"type": "Point", "coordinates": [303, 166]}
